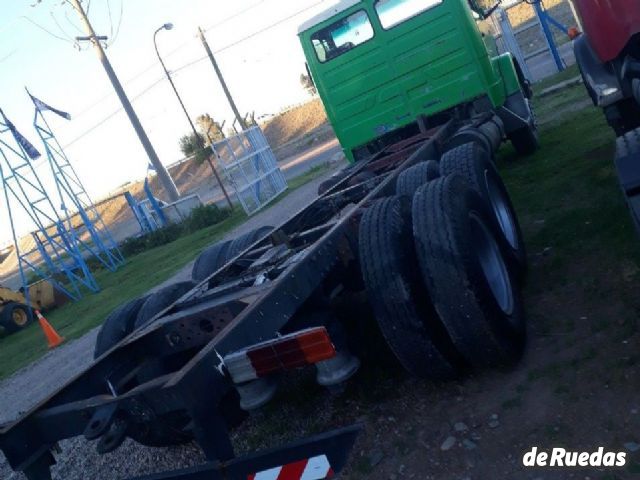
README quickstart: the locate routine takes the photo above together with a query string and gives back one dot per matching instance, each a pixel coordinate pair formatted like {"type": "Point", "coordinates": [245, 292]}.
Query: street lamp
{"type": "Point", "coordinates": [169, 26]}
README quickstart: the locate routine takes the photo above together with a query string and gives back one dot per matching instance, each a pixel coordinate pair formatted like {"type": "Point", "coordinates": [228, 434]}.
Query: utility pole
{"type": "Point", "coordinates": [163, 175]}
{"type": "Point", "coordinates": [196, 137]}
{"type": "Point", "coordinates": [241, 121]}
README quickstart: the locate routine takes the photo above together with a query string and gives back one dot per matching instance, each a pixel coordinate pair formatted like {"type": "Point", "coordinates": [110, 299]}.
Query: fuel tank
{"type": "Point", "coordinates": [609, 24]}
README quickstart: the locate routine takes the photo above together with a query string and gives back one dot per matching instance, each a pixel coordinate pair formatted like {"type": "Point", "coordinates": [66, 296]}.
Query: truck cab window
{"type": "Point", "coordinates": [342, 36]}
{"type": "Point", "coordinates": [394, 12]}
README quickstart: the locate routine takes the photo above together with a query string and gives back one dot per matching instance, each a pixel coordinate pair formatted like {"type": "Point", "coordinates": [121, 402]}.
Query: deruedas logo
{"type": "Point", "coordinates": [560, 457]}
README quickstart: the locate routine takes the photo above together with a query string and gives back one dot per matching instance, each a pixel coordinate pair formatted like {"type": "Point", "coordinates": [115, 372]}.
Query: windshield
{"type": "Point", "coordinates": [342, 36]}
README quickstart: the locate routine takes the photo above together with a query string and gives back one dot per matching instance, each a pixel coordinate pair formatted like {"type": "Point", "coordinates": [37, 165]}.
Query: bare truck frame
{"type": "Point", "coordinates": [270, 308]}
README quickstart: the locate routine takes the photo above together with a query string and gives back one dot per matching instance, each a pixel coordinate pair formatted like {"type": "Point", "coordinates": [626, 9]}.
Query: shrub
{"type": "Point", "coordinates": [205, 216]}
{"type": "Point", "coordinates": [201, 217]}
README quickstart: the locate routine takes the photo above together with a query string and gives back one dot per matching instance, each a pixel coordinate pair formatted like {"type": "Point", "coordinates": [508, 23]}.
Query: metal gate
{"type": "Point", "coordinates": [540, 43]}
{"type": "Point", "coordinates": [251, 168]}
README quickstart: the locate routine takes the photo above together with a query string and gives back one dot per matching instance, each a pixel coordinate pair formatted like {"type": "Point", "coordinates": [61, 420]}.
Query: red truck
{"type": "Point", "coordinates": [608, 54]}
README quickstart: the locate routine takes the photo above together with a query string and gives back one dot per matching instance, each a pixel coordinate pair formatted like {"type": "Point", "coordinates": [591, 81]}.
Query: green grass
{"type": "Point", "coordinates": [141, 273]}
{"type": "Point", "coordinates": [567, 193]}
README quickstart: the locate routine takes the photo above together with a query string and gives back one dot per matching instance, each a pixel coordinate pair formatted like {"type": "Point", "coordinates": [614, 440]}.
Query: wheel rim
{"type": "Point", "coordinates": [19, 317]}
{"type": "Point", "coordinates": [502, 211]}
{"type": "Point", "coordinates": [492, 265]}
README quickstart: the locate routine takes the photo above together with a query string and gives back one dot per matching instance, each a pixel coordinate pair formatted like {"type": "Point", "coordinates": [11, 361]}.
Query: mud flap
{"type": "Point", "coordinates": [316, 458]}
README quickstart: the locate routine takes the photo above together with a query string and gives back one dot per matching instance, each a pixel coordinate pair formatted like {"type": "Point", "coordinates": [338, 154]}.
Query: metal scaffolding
{"type": "Point", "coordinates": [251, 168]}
{"type": "Point", "coordinates": [82, 219]}
{"type": "Point", "coordinates": [57, 256]}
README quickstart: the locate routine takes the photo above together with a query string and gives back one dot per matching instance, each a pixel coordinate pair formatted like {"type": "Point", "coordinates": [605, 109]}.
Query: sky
{"type": "Point", "coordinates": [38, 51]}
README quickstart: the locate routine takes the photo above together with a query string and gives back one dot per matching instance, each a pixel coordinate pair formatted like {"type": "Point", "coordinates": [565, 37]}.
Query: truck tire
{"type": "Point", "coordinates": [525, 140]}
{"type": "Point", "coordinates": [15, 316]}
{"type": "Point", "coordinates": [472, 163]}
{"type": "Point", "coordinates": [400, 303]}
{"type": "Point", "coordinates": [209, 261]}
{"type": "Point", "coordinates": [460, 258]}
{"type": "Point", "coordinates": [165, 430]}
{"type": "Point", "coordinates": [623, 116]}
{"type": "Point", "coordinates": [243, 242]}
{"type": "Point", "coordinates": [332, 181]}
{"type": "Point", "coordinates": [158, 301]}
{"type": "Point", "coordinates": [412, 178]}
{"type": "Point", "coordinates": [118, 325]}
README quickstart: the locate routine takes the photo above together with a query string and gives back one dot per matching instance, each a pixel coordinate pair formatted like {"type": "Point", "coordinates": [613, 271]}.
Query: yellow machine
{"type": "Point", "coordinates": [14, 312]}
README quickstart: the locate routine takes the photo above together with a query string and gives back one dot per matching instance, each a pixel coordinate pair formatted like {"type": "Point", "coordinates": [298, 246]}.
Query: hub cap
{"type": "Point", "coordinates": [492, 264]}
{"type": "Point", "coordinates": [501, 210]}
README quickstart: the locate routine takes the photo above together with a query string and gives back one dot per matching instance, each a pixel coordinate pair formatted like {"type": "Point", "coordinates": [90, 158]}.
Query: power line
{"type": "Point", "coordinates": [171, 52]}
{"type": "Point", "coordinates": [249, 37]}
{"type": "Point", "coordinates": [235, 15]}
{"type": "Point", "coordinates": [44, 29]}
{"type": "Point", "coordinates": [62, 31]}
{"type": "Point", "coordinates": [113, 114]}
{"type": "Point", "coordinates": [115, 37]}
{"type": "Point", "coordinates": [185, 66]}
{"type": "Point", "coordinates": [110, 19]}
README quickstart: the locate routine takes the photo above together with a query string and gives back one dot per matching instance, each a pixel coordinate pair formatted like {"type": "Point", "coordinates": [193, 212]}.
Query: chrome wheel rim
{"type": "Point", "coordinates": [501, 210]}
{"type": "Point", "coordinates": [492, 264]}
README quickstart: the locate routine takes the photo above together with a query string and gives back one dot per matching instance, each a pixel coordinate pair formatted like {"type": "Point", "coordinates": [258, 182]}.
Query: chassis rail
{"type": "Point", "coordinates": [251, 299]}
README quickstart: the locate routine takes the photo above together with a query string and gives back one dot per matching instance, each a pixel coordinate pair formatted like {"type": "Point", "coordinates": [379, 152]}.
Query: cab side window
{"type": "Point", "coordinates": [342, 36]}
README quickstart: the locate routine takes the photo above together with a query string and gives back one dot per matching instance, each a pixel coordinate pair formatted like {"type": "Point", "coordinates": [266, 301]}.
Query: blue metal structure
{"type": "Point", "coordinates": [56, 256]}
{"type": "Point", "coordinates": [146, 222]}
{"type": "Point", "coordinates": [546, 22]}
{"type": "Point", "coordinates": [83, 220]}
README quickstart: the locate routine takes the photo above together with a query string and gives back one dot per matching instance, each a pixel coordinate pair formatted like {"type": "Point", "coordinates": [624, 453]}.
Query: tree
{"type": "Point", "coordinates": [307, 83]}
{"type": "Point", "coordinates": [209, 128]}
{"type": "Point", "coordinates": [194, 145]}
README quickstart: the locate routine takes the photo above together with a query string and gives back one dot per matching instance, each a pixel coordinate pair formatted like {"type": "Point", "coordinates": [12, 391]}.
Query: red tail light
{"type": "Point", "coordinates": [291, 351]}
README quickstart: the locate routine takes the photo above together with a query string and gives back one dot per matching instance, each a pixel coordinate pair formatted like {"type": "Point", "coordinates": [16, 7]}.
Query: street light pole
{"type": "Point", "coordinates": [163, 175]}
{"type": "Point", "coordinates": [169, 26]}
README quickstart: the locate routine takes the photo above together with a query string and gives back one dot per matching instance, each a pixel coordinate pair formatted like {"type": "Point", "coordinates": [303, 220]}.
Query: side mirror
{"type": "Point", "coordinates": [484, 8]}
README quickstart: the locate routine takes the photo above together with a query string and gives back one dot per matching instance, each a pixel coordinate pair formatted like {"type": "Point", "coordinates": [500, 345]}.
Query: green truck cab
{"type": "Point", "coordinates": [386, 69]}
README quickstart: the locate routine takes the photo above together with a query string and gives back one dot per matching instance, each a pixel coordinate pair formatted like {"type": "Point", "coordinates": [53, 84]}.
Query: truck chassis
{"type": "Point", "coordinates": [281, 284]}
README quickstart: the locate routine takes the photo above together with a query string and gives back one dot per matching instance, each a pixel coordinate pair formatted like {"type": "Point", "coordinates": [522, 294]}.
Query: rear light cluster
{"type": "Point", "coordinates": [295, 350]}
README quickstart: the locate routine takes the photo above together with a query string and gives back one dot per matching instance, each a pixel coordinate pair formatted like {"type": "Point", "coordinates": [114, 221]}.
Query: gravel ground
{"type": "Point", "coordinates": [78, 459]}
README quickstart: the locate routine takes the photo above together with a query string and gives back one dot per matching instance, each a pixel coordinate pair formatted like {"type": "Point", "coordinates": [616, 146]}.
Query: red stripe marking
{"type": "Point", "coordinates": [293, 471]}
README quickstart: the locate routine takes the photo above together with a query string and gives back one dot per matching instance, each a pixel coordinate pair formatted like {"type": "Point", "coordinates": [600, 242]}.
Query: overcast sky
{"type": "Point", "coordinates": [262, 72]}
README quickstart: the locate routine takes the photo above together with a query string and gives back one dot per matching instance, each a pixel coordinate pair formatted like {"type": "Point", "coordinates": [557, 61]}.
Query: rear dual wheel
{"type": "Point", "coordinates": [461, 254]}
{"type": "Point", "coordinates": [400, 303]}
{"type": "Point", "coordinates": [146, 428]}
{"type": "Point", "coordinates": [214, 257]}
{"type": "Point", "coordinates": [473, 164]}
{"type": "Point", "coordinates": [437, 277]}
{"type": "Point", "coordinates": [414, 177]}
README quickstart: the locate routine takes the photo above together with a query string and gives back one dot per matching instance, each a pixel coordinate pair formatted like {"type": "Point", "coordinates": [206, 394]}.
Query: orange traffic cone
{"type": "Point", "coordinates": [53, 339]}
